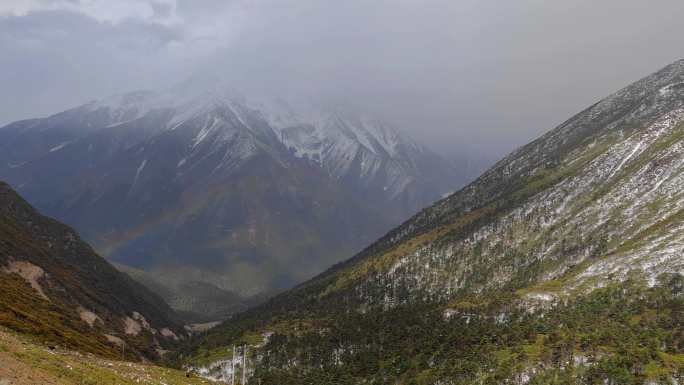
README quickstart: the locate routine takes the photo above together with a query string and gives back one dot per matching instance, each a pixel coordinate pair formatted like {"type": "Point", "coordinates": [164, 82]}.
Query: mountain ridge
{"type": "Point", "coordinates": [496, 173]}
{"type": "Point", "coordinates": [174, 183]}
{"type": "Point", "coordinates": [588, 216]}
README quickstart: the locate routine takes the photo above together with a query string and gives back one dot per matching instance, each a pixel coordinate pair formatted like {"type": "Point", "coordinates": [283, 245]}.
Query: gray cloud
{"type": "Point", "coordinates": [469, 77]}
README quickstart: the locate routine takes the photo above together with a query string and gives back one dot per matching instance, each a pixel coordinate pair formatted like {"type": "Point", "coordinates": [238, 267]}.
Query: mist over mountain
{"type": "Point", "coordinates": [198, 185]}
{"type": "Point", "coordinates": [561, 264]}
{"type": "Point", "coordinates": [469, 74]}
{"type": "Point", "coordinates": [287, 192]}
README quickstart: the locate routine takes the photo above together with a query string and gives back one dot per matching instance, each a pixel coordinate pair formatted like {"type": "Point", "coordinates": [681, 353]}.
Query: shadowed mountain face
{"type": "Point", "coordinates": [55, 287]}
{"type": "Point", "coordinates": [249, 197]}
{"type": "Point", "coordinates": [562, 264]}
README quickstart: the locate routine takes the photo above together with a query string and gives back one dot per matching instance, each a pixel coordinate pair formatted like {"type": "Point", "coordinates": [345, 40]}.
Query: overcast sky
{"type": "Point", "coordinates": [466, 76]}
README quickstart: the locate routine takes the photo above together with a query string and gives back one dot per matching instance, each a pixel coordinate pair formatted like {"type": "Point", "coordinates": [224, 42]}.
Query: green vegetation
{"type": "Point", "coordinates": [625, 333]}
{"type": "Point", "coordinates": [23, 358]}
{"type": "Point", "coordinates": [515, 191]}
{"type": "Point", "coordinates": [380, 328]}
{"type": "Point", "coordinates": [72, 277]}
{"type": "Point", "coordinates": [652, 231]}
{"type": "Point", "coordinates": [21, 309]}
{"type": "Point", "coordinates": [536, 273]}
{"type": "Point", "coordinates": [204, 357]}
{"type": "Point", "coordinates": [382, 262]}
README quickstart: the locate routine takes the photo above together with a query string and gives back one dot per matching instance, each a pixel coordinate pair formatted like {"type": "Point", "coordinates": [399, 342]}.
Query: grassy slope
{"type": "Point", "coordinates": [23, 361]}
{"type": "Point", "coordinates": [75, 278]}
{"type": "Point", "coordinates": [21, 309]}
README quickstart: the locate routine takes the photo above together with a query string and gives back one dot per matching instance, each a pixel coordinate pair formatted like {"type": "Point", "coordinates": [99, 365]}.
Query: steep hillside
{"type": "Point", "coordinates": [55, 287]}
{"type": "Point", "coordinates": [202, 186]}
{"type": "Point", "coordinates": [561, 264]}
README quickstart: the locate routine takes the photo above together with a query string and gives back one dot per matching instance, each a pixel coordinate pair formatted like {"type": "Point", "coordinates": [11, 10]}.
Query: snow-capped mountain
{"type": "Point", "coordinates": [203, 185]}
{"type": "Point", "coordinates": [349, 146]}
{"type": "Point", "coordinates": [563, 263]}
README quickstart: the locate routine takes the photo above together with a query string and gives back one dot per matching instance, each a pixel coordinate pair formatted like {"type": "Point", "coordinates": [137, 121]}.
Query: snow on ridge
{"type": "Point", "coordinates": [204, 132]}
{"type": "Point", "coordinates": [61, 146]}
{"type": "Point", "coordinates": [606, 235]}
{"type": "Point", "coordinates": [139, 170]}
{"type": "Point", "coordinates": [339, 142]}
{"type": "Point", "coordinates": [335, 140]}
{"type": "Point", "coordinates": [374, 136]}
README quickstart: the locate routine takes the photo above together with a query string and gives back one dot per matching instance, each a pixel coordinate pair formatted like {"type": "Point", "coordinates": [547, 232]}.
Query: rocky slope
{"type": "Point", "coordinates": [203, 186]}
{"type": "Point", "coordinates": [561, 264]}
{"type": "Point", "coordinates": [55, 287]}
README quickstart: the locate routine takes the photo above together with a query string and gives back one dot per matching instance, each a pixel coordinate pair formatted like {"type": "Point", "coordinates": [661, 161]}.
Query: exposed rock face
{"type": "Point", "coordinates": [30, 272]}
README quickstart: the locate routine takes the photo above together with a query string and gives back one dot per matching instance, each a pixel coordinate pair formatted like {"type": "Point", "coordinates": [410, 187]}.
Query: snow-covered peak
{"type": "Point", "coordinates": [135, 105]}
{"type": "Point", "coordinates": [345, 144]}
{"type": "Point", "coordinates": [375, 136]}
{"type": "Point", "coordinates": [331, 124]}
{"type": "Point", "coordinates": [281, 115]}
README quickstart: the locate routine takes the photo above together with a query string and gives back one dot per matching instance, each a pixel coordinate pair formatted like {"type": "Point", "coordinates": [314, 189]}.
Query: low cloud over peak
{"type": "Point", "coordinates": [465, 75]}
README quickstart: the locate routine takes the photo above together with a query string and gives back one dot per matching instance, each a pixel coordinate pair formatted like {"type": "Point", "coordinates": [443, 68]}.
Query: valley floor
{"type": "Point", "coordinates": [24, 362]}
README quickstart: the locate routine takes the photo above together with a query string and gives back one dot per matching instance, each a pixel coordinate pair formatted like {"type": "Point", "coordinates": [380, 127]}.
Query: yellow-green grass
{"type": "Point", "coordinates": [22, 360]}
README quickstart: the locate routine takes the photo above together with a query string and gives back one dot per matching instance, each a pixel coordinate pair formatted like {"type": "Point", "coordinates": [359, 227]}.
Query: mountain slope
{"type": "Point", "coordinates": [561, 264]}
{"type": "Point", "coordinates": [208, 187]}
{"type": "Point", "coordinates": [207, 301]}
{"type": "Point", "coordinates": [55, 287]}
{"type": "Point", "coordinates": [23, 362]}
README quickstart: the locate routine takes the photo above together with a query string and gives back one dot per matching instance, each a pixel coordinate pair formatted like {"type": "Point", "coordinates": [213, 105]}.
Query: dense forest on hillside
{"type": "Point", "coordinates": [621, 334]}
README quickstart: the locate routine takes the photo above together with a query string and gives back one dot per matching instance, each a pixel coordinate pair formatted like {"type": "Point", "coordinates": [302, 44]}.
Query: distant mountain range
{"type": "Point", "coordinates": [561, 264]}
{"type": "Point", "coordinates": [210, 191]}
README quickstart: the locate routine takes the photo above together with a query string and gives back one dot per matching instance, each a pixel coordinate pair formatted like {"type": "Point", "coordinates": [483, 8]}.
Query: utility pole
{"type": "Point", "coordinates": [244, 364]}
{"type": "Point", "coordinates": [232, 368]}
